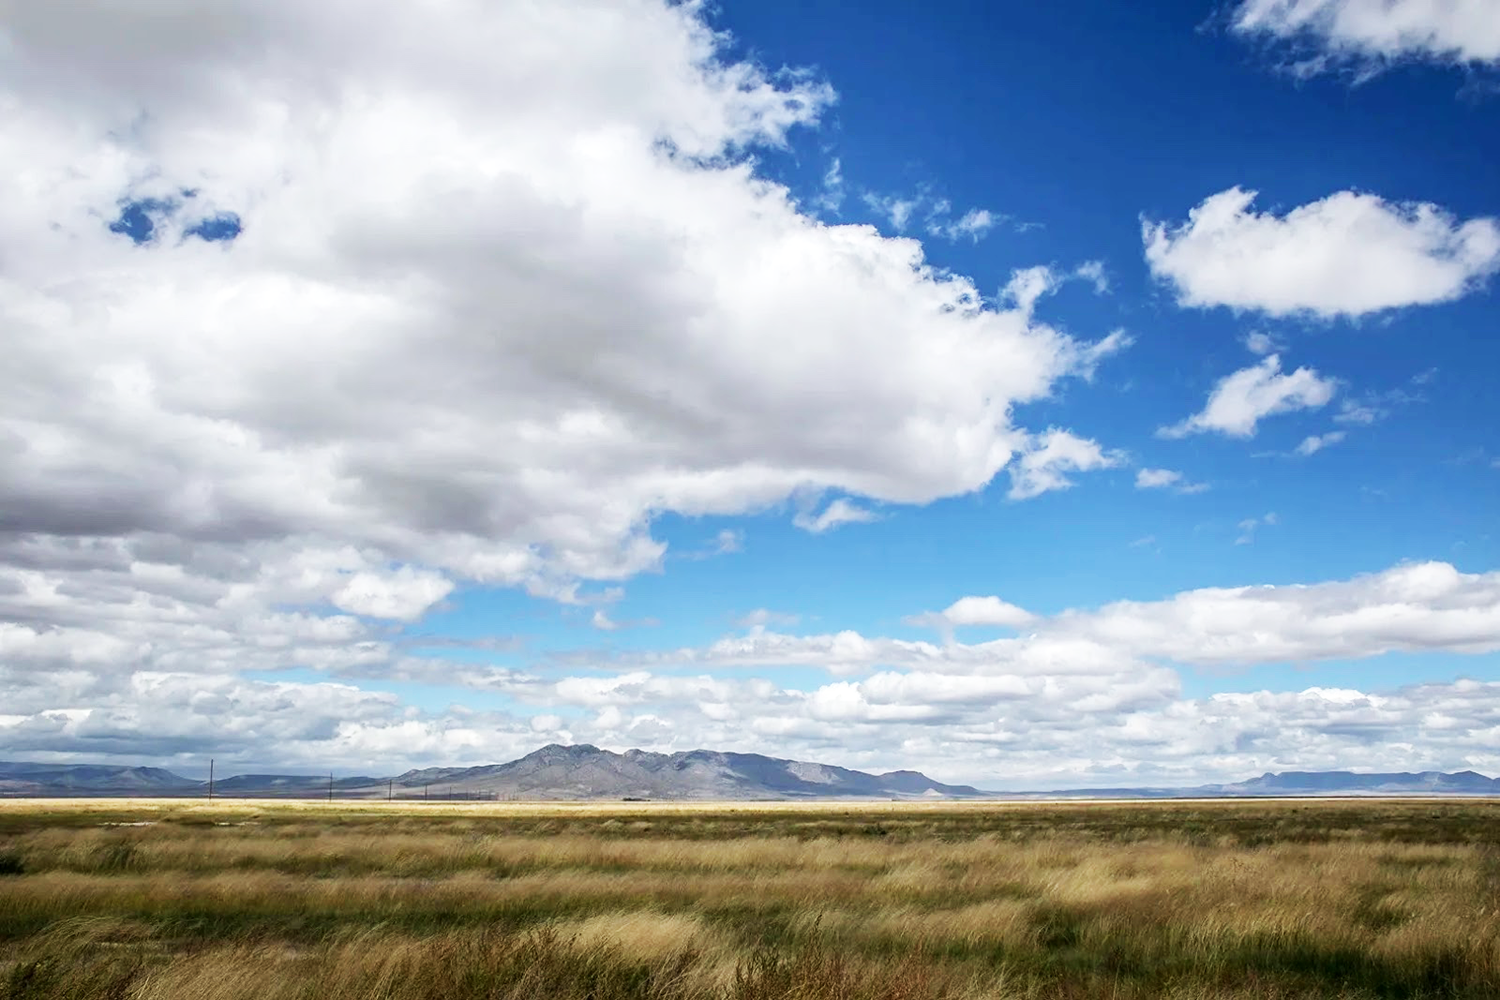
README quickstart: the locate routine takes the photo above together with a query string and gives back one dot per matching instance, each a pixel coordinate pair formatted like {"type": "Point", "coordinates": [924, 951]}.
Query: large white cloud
{"type": "Point", "coordinates": [1240, 400]}
{"type": "Point", "coordinates": [1372, 33]}
{"type": "Point", "coordinates": [1347, 255]}
{"type": "Point", "coordinates": [507, 287]}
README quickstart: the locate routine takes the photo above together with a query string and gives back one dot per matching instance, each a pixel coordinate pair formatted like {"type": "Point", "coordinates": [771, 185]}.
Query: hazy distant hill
{"type": "Point", "coordinates": [288, 784]}
{"type": "Point", "coordinates": [1346, 782]}
{"type": "Point", "coordinates": [1309, 783]}
{"type": "Point", "coordinates": [85, 779]}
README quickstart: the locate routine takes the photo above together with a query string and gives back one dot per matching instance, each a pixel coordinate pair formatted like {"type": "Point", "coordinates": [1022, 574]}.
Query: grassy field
{"type": "Point", "coordinates": [159, 899]}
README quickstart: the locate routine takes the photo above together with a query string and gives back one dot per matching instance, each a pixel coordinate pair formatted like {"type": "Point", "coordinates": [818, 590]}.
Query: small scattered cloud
{"type": "Point", "coordinates": [597, 598]}
{"type": "Point", "coordinates": [1351, 412]}
{"type": "Point", "coordinates": [1374, 406]}
{"type": "Point", "coordinates": [404, 595]}
{"type": "Point", "coordinates": [1241, 400]}
{"type": "Point", "coordinates": [1045, 465]}
{"type": "Point", "coordinates": [1250, 525]}
{"type": "Point", "coordinates": [896, 211]}
{"type": "Point", "coordinates": [761, 617]}
{"type": "Point", "coordinates": [839, 512]}
{"type": "Point", "coordinates": [974, 611]}
{"type": "Point", "coordinates": [1152, 479]}
{"type": "Point", "coordinates": [1469, 456]}
{"type": "Point", "coordinates": [1310, 445]}
{"type": "Point", "coordinates": [1093, 272]}
{"type": "Point", "coordinates": [1347, 255]}
{"type": "Point", "coordinates": [727, 542]}
{"type": "Point", "coordinates": [1028, 285]}
{"type": "Point", "coordinates": [830, 197]}
{"type": "Point", "coordinates": [605, 623]}
{"type": "Point", "coordinates": [1089, 355]}
{"type": "Point", "coordinates": [1259, 342]}
{"type": "Point", "coordinates": [1368, 36]}
{"type": "Point", "coordinates": [1315, 443]}
{"type": "Point", "coordinates": [987, 611]}
{"type": "Point", "coordinates": [1163, 479]}
{"type": "Point", "coordinates": [936, 216]}
{"type": "Point", "coordinates": [972, 225]}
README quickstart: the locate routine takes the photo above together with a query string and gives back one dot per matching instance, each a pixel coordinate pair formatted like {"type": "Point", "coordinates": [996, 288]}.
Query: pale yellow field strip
{"type": "Point", "coordinates": [517, 809]}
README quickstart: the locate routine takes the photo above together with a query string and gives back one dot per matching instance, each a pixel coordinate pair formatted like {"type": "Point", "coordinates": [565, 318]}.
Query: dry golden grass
{"type": "Point", "coordinates": [750, 901]}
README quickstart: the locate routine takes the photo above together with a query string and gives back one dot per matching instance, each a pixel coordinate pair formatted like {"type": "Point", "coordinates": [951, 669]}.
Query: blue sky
{"type": "Point", "coordinates": [1030, 394]}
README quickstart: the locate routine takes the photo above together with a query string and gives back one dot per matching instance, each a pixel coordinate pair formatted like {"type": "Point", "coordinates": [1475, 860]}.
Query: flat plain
{"type": "Point", "coordinates": [749, 901]}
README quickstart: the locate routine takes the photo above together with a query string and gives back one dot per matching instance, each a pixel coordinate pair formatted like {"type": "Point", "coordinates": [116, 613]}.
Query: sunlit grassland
{"type": "Point", "coordinates": [248, 899]}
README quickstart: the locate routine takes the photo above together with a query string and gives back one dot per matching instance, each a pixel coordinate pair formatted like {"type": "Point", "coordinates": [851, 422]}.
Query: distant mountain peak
{"type": "Point", "coordinates": [566, 750]}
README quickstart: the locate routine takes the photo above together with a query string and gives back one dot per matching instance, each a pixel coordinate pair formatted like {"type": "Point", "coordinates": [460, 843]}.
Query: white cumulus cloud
{"type": "Point", "coordinates": [1241, 400]}
{"type": "Point", "coordinates": [1373, 33]}
{"type": "Point", "coordinates": [491, 318]}
{"type": "Point", "coordinates": [403, 595]}
{"type": "Point", "coordinates": [1348, 255]}
{"type": "Point", "coordinates": [1028, 285]}
{"type": "Point", "coordinates": [988, 610]}
{"type": "Point", "coordinates": [1050, 457]}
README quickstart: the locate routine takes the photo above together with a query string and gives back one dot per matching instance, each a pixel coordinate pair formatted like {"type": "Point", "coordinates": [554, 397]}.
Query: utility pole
{"type": "Point", "coordinates": [210, 779]}
{"type": "Point", "coordinates": [330, 786]}
{"type": "Point", "coordinates": [390, 789]}
{"type": "Point", "coordinates": [424, 792]}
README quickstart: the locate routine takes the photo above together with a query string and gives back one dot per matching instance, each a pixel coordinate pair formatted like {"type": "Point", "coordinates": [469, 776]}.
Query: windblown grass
{"type": "Point", "coordinates": [750, 902]}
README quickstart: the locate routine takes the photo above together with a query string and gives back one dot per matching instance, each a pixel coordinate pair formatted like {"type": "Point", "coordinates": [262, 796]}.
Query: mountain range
{"type": "Point", "coordinates": [557, 772]}
{"type": "Point", "coordinates": [553, 772]}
